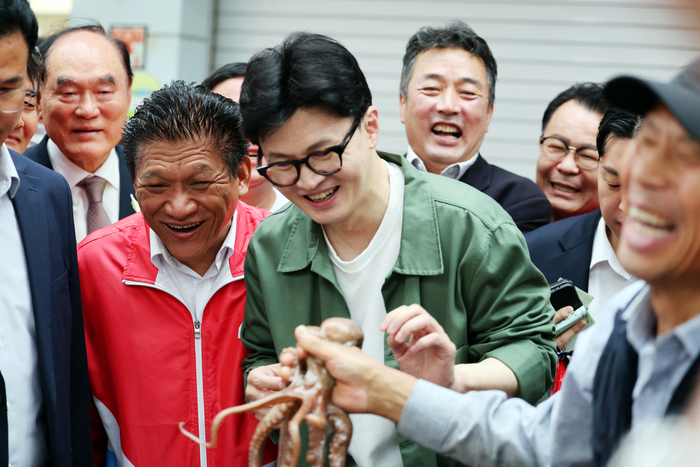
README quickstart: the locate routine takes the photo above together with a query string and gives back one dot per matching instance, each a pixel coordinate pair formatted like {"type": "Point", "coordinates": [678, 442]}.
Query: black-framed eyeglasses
{"type": "Point", "coordinates": [324, 162]}
{"type": "Point", "coordinates": [17, 100]}
{"type": "Point", "coordinates": [556, 149]}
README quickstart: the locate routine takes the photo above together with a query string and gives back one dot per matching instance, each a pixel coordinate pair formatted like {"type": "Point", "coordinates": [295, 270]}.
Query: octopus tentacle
{"type": "Point", "coordinates": [279, 414]}
{"type": "Point", "coordinates": [307, 398]}
{"type": "Point", "coordinates": [342, 427]}
{"type": "Point", "coordinates": [260, 403]}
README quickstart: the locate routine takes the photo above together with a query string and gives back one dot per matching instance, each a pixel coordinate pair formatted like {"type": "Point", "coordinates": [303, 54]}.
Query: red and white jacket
{"type": "Point", "coordinates": [149, 359]}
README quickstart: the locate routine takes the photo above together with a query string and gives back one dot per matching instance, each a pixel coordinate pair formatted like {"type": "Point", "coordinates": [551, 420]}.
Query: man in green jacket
{"type": "Point", "coordinates": [367, 234]}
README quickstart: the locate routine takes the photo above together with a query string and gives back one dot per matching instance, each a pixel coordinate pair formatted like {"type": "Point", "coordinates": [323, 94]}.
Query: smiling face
{"type": "Point", "coordinates": [609, 192]}
{"type": "Point", "coordinates": [571, 190]}
{"type": "Point", "coordinates": [446, 110]}
{"type": "Point", "coordinates": [13, 69]}
{"type": "Point", "coordinates": [661, 236]}
{"type": "Point", "coordinates": [346, 198]}
{"type": "Point", "coordinates": [19, 139]}
{"type": "Point", "coordinates": [188, 197]}
{"type": "Point", "coordinates": [85, 98]}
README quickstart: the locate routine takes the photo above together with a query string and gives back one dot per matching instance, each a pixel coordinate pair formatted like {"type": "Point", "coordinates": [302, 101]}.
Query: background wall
{"type": "Point", "coordinates": [541, 46]}
{"type": "Point", "coordinates": [179, 39]}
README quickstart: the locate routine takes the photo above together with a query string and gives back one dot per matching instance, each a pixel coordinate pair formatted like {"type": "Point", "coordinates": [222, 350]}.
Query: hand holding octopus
{"type": "Point", "coordinates": [307, 398]}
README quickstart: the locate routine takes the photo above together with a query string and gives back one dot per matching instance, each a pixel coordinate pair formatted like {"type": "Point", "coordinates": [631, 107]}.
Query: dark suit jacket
{"type": "Point", "coordinates": [45, 216]}
{"type": "Point", "coordinates": [519, 196]}
{"type": "Point", "coordinates": [40, 155]}
{"type": "Point", "coordinates": [564, 248]}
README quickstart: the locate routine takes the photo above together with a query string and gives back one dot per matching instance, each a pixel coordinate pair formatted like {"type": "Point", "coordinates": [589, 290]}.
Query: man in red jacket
{"type": "Point", "coordinates": [163, 290]}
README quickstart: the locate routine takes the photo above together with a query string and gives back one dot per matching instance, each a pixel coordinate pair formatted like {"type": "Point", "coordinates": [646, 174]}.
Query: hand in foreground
{"type": "Point", "coordinates": [362, 384]}
{"type": "Point", "coordinates": [263, 381]}
{"type": "Point", "coordinates": [420, 345]}
{"type": "Point", "coordinates": [567, 335]}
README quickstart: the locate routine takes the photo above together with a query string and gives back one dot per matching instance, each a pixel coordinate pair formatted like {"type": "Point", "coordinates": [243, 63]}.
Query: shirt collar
{"type": "Point", "coordinates": [74, 174]}
{"type": "Point", "coordinates": [9, 178]}
{"type": "Point", "coordinates": [161, 257]}
{"type": "Point", "coordinates": [454, 171]}
{"type": "Point", "coordinates": [641, 325]}
{"type": "Point", "coordinates": [603, 251]}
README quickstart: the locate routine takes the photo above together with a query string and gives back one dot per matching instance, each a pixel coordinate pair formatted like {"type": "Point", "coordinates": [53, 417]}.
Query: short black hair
{"type": "Point", "coordinates": [17, 16]}
{"type": "Point", "coordinates": [589, 95]}
{"type": "Point", "coordinates": [186, 112]}
{"type": "Point", "coordinates": [35, 67]}
{"type": "Point", "coordinates": [306, 70]}
{"type": "Point", "coordinates": [122, 50]}
{"type": "Point", "coordinates": [226, 72]}
{"type": "Point", "coordinates": [455, 34]}
{"type": "Point", "coordinates": [616, 123]}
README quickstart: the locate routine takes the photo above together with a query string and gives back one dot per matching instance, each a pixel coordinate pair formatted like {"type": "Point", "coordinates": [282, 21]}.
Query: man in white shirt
{"type": "Point", "coordinates": [583, 248]}
{"type": "Point", "coordinates": [84, 98]}
{"type": "Point", "coordinates": [44, 393]}
{"type": "Point", "coordinates": [448, 87]}
{"type": "Point", "coordinates": [163, 289]}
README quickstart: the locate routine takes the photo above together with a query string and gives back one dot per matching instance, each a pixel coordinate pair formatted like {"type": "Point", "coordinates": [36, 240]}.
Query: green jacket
{"type": "Point", "coordinates": [462, 258]}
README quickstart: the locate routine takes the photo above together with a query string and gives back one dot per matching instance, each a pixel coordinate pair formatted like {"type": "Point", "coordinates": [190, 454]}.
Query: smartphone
{"type": "Point", "coordinates": [563, 293]}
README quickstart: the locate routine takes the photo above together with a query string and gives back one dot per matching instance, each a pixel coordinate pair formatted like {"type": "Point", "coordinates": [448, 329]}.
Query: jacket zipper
{"type": "Point", "coordinates": [198, 362]}
{"type": "Point", "coordinates": [200, 391]}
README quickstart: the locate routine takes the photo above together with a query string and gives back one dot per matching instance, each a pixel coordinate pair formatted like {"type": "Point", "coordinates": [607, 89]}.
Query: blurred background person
{"type": "Point", "coordinates": [26, 126]}
{"type": "Point", "coordinates": [566, 167]}
{"type": "Point", "coordinates": [227, 81]}
{"type": "Point", "coordinates": [583, 248]}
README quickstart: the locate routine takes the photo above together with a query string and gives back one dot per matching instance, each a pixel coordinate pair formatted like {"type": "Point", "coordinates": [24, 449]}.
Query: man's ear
{"type": "Point", "coordinates": [244, 169]}
{"type": "Point", "coordinates": [402, 108]}
{"type": "Point", "coordinates": [371, 126]}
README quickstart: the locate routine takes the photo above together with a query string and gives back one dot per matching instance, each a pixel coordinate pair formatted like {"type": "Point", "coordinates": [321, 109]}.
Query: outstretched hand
{"type": "Point", "coordinates": [421, 346]}
{"type": "Point", "coordinates": [362, 384]}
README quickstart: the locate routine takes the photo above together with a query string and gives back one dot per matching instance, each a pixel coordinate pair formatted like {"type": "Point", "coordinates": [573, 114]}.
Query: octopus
{"type": "Point", "coordinates": [307, 398]}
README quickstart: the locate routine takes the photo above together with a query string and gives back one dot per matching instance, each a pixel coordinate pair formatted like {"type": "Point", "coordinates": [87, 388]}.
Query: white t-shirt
{"type": "Point", "coordinates": [361, 279]}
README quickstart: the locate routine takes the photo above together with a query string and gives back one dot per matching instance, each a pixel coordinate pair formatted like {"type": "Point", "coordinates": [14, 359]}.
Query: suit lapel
{"type": "Point", "coordinates": [478, 175]}
{"type": "Point", "coordinates": [126, 187]}
{"type": "Point", "coordinates": [30, 209]}
{"type": "Point", "coordinates": [577, 243]}
{"type": "Point", "coordinates": [40, 155]}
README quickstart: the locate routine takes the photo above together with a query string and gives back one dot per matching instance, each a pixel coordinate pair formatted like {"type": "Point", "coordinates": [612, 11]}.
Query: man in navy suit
{"type": "Point", "coordinates": [448, 85]}
{"type": "Point", "coordinates": [83, 102]}
{"type": "Point", "coordinates": [583, 248]}
{"type": "Point", "coordinates": [44, 392]}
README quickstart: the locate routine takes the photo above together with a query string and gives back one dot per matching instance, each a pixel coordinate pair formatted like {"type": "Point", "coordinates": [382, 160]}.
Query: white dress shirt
{"type": "Point", "coordinates": [193, 290]}
{"type": "Point", "coordinates": [74, 174]}
{"type": "Point", "coordinates": [454, 171]}
{"type": "Point", "coordinates": [26, 415]}
{"type": "Point", "coordinates": [361, 280]}
{"type": "Point", "coordinates": [606, 276]}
